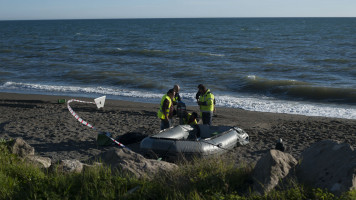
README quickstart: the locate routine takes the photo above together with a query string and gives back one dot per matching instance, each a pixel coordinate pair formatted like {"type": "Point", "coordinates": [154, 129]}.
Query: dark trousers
{"type": "Point", "coordinates": [207, 118]}
{"type": "Point", "coordinates": [165, 124]}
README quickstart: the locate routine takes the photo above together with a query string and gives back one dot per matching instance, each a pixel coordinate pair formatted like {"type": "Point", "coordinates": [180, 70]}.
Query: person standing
{"type": "Point", "coordinates": [176, 98]}
{"type": "Point", "coordinates": [165, 111]}
{"type": "Point", "coordinates": [205, 100]}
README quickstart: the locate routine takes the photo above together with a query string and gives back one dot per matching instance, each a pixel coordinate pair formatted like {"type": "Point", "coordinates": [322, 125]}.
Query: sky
{"type": "Point", "coordinates": [104, 9]}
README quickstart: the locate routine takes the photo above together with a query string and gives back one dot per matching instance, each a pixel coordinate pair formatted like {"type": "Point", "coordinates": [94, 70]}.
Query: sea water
{"type": "Point", "coordinates": [301, 66]}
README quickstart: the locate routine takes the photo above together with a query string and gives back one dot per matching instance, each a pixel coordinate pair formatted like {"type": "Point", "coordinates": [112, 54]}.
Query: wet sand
{"type": "Point", "coordinates": [49, 127]}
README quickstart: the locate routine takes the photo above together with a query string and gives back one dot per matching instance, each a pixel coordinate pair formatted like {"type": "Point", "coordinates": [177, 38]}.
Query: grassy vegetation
{"type": "Point", "coordinates": [199, 179]}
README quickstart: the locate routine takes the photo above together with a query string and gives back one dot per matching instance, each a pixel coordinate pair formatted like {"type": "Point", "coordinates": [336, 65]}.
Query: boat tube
{"type": "Point", "coordinates": [193, 141]}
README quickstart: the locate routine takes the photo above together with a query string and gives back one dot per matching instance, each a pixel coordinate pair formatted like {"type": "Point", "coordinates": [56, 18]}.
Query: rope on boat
{"type": "Point", "coordinates": [76, 116]}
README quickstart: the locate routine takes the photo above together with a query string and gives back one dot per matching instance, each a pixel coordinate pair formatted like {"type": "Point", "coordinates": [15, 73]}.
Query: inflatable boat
{"type": "Point", "coordinates": [193, 141]}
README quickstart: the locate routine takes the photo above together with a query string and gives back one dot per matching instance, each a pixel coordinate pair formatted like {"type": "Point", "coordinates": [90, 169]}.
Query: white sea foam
{"type": "Point", "coordinates": [289, 107]}
{"type": "Point", "coordinates": [261, 104]}
{"type": "Point", "coordinates": [215, 54]}
{"type": "Point", "coordinates": [212, 54]}
{"type": "Point", "coordinates": [252, 77]}
{"type": "Point", "coordinates": [76, 89]}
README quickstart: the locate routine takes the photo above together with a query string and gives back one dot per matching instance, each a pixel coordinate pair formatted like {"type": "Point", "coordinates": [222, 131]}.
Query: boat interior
{"type": "Point", "coordinates": [187, 132]}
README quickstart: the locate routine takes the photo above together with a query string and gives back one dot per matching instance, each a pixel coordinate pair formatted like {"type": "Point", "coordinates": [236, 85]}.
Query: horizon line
{"type": "Point", "coordinates": [160, 18]}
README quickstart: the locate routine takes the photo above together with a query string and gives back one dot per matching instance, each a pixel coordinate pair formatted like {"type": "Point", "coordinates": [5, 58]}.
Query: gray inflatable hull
{"type": "Point", "coordinates": [193, 141]}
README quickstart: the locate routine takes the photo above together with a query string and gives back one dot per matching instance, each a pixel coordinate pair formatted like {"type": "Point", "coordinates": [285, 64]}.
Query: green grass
{"type": "Point", "coordinates": [198, 179]}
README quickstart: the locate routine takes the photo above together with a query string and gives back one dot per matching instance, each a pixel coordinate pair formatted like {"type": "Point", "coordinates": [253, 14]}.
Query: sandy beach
{"type": "Point", "coordinates": [49, 127]}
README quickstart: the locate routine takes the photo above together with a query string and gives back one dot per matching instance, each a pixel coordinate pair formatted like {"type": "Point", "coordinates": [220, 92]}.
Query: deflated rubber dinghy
{"type": "Point", "coordinates": [193, 141]}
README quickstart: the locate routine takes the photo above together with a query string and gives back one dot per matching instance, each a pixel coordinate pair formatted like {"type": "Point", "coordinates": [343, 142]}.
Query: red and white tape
{"type": "Point", "coordinates": [76, 116]}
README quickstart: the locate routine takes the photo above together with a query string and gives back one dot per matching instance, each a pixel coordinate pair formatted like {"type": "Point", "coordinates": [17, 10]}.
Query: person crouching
{"type": "Point", "coordinates": [190, 118]}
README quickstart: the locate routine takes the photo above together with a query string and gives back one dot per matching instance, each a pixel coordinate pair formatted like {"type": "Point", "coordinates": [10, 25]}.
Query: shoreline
{"type": "Point", "coordinates": [50, 128]}
{"type": "Point", "coordinates": [243, 101]}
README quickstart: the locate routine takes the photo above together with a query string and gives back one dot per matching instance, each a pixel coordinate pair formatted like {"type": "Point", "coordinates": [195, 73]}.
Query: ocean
{"type": "Point", "coordinates": [303, 66]}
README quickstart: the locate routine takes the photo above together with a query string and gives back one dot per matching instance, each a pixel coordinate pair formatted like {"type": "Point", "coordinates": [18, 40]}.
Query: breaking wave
{"type": "Point", "coordinates": [261, 104]}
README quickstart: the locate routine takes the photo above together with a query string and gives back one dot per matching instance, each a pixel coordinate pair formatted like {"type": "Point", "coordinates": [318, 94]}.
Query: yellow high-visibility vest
{"type": "Point", "coordinates": [185, 120]}
{"type": "Point", "coordinates": [208, 97]}
{"type": "Point", "coordinates": [160, 113]}
{"type": "Point", "coordinates": [175, 99]}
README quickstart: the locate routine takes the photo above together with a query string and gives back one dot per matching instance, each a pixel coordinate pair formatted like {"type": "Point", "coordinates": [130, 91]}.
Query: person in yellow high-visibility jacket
{"type": "Point", "coordinates": [165, 111]}
{"type": "Point", "coordinates": [176, 98]}
{"type": "Point", "coordinates": [206, 104]}
{"type": "Point", "coordinates": [190, 118]}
